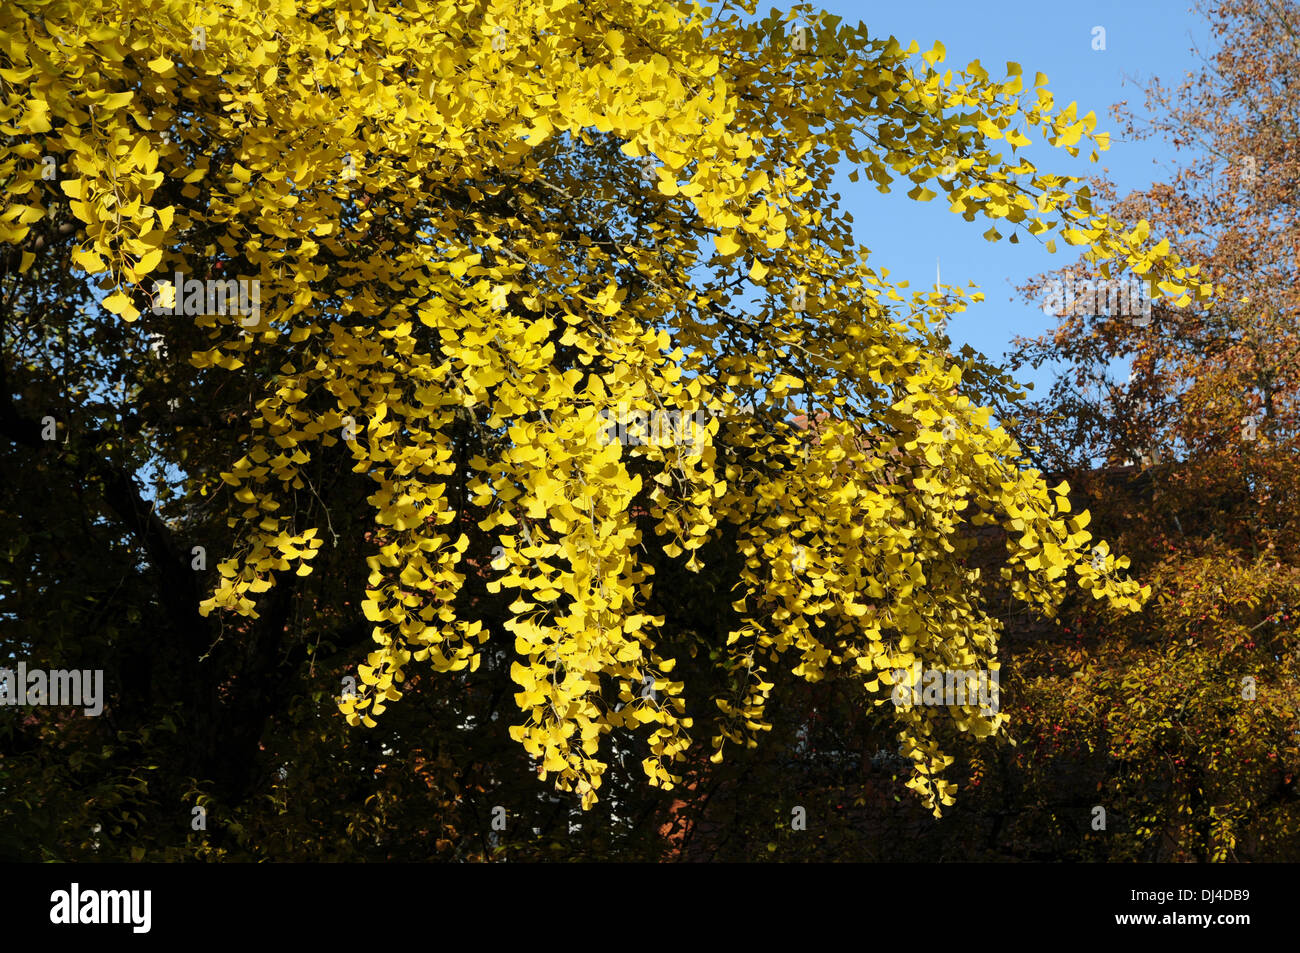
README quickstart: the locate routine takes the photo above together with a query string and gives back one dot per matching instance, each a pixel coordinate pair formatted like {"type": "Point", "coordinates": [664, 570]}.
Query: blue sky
{"type": "Point", "coordinates": [1144, 38]}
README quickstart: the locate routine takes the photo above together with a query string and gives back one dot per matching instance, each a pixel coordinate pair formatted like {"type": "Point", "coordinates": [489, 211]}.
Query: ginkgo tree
{"type": "Point", "coordinates": [474, 232]}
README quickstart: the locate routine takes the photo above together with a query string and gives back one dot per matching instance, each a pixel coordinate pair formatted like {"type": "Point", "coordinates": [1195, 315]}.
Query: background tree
{"type": "Point", "coordinates": [1188, 713]}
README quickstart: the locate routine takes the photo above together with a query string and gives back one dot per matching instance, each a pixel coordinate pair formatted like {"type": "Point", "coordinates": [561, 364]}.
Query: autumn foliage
{"type": "Point", "coordinates": [366, 554]}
